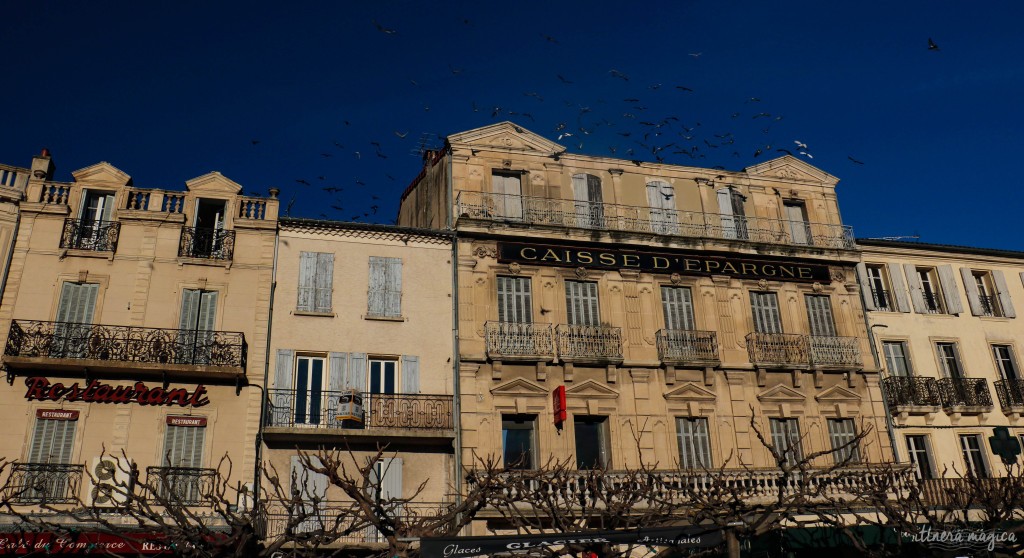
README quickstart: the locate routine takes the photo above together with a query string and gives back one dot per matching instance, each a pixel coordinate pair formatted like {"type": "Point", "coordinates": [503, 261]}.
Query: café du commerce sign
{"type": "Point", "coordinates": [41, 389]}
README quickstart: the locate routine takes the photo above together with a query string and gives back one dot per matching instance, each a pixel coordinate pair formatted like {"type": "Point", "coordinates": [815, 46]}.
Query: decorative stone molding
{"type": "Point", "coordinates": [581, 272]}
{"type": "Point", "coordinates": [485, 251]}
{"type": "Point", "coordinates": [762, 283]}
{"type": "Point", "coordinates": [817, 287]}
{"type": "Point", "coordinates": [837, 275]}
{"type": "Point", "coordinates": [514, 268]}
{"type": "Point", "coordinates": [675, 278]}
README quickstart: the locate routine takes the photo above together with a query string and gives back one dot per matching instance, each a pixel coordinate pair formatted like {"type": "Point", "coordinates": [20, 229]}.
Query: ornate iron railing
{"type": "Point", "coordinates": [80, 234]}
{"type": "Point", "coordinates": [932, 303]}
{"type": "Point", "coordinates": [339, 521]}
{"type": "Point", "coordinates": [321, 409]}
{"type": "Point", "coordinates": [1010, 393]}
{"type": "Point", "coordinates": [964, 392]}
{"type": "Point", "coordinates": [614, 217]}
{"type": "Point", "coordinates": [517, 340]}
{"type": "Point", "coordinates": [182, 485]}
{"type": "Point", "coordinates": [63, 340]}
{"type": "Point", "coordinates": [834, 351]}
{"type": "Point", "coordinates": [44, 483]}
{"type": "Point", "coordinates": [213, 244]}
{"type": "Point", "coordinates": [989, 305]}
{"type": "Point", "coordinates": [581, 342]}
{"type": "Point", "coordinates": [911, 391]}
{"type": "Point", "coordinates": [882, 299]}
{"type": "Point", "coordinates": [785, 349]}
{"type": "Point", "coordinates": [686, 345]}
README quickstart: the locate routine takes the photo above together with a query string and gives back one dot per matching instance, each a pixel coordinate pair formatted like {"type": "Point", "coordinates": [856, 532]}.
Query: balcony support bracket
{"type": "Point", "coordinates": [709, 376]}
{"type": "Point", "coordinates": [797, 378]}
{"type": "Point", "coordinates": [238, 385]}
{"type": "Point", "coordinates": [762, 377]}
{"type": "Point", "coordinates": [670, 374]}
{"type": "Point", "coordinates": [542, 371]}
{"type": "Point", "coordinates": [819, 378]}
{"type": "Point", "coordinates": [567, 371]}
{"type": "Point", "coordinates": [9, 373]}
{"type": "Point", "coordinates": [496, 370]}
{"type": "Point", "coordinates": [612, 374]}
{"type": "Point", "coordinates": [163, 376]}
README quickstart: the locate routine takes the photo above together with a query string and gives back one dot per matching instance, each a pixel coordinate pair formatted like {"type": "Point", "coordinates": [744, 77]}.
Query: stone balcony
{"type": "Point", "coordinates": [796, 351]}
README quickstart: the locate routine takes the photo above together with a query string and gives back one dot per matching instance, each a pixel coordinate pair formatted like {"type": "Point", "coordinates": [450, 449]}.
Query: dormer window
{"type": "Point", "coordinates": [207, 238]}
{"type": "Point", "coordinates": [94, 228]}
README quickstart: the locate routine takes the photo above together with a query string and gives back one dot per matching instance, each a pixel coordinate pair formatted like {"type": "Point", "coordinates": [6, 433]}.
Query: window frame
{"type": "Point", "coordinates": [880, 287]}
{"type": "Point", "coordinates": [942, 359]}
{"type": "Point", "coordinates": [915, 454]}
{"type": "Point", "coordinates": [687, 311]}
{"type": "Point", "coordinates": [520, 419]}
{"type": "Point", "coordinates": [309, 403]}
{"type": "Point", "coordinates": [931, 288]}
{"type": "Point", "coordinates": [982, 465]}
{"type": "Point", "coordinates": [590, 312]}
{"type": "Point", "coordinates": [1011, 358]}
{"type": "Point", "coordinates": [603, 439]}
{"type": "Point", "coordinates": [906, 357]}
{"type": "Point", "coordinates": [526, 295]}
{"type": "Point", "coordinates": [693, 438]}
{"type": "Point", "coordinates": [776, 311]}
{"type": "Point", "coordinates": [391, 276]}
{"type": "Point", "coordinates": [317, 291]}
{"type": "Point", "coordinates": [851, 453]}
{"type": "Point", "coordinates": [793, 453]}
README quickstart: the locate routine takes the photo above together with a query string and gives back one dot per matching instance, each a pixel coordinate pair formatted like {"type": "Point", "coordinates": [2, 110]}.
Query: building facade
{"type": "Point", "coordinates": [13, 181]}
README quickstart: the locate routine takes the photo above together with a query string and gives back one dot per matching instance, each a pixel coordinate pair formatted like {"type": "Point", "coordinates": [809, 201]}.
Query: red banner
{"type": "Point", "coordinates": [56, 414]}
{"type": "Point", "coordinates": [186, 421]}
{"type": "Point", "coordinates": [100, 544]}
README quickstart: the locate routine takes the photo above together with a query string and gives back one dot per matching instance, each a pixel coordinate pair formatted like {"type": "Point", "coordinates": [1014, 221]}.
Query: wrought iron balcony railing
{"type": "Point", "coordinates": [964, 392]}
{"type": "Point", "coordinates": [639, 219]}
{"type": "Point", "coordinates": [989, 305]}
{"type": "Point", "coordinates": [791, 350]}
{"type": "Point", "coordinates": [63, 340]}
{"type": "Point", "coordinates": [1010, 393]}
{"type": "Point", "coordinates": [901, 391]}
{"type": "Point", "coordinates": [100, 236]}
{"type": "Point", "coordinates": [932, 303]}
{"type": "Point", "coordinates": [182, 485]}
{"type": "Point", "coordinates": [339, 519]}
{"type": "Point", "coordinates": [687, 346]}
{"type": "Point", "coordinates": [581, 342]}
{"type": "Point", "coordinates": [44, 483]}
{"type": "Point", "coordinates": [519, 340]}
{"type": "Point", "coordinates": [320, 409]}
{"type": "Point", "coordinates": [826, 350]}
{"type": "Point", "coordinates": [882, 299]}
{"type": "Point", "coordinates": [212, 244]}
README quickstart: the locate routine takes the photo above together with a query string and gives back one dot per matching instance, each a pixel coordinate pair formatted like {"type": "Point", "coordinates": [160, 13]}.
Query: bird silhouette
{"type": "Point", "coordinates": [401, 135]}
{"type": "Point", "coordinates": [618, 74]}
{"type": "Point", "coordinates": [563, 80]}
{"type": "Point", "coordinates": [383, 29]}
{"type": "Point", "coordinates": [550, 39]}
{"type": "Point", "coordinates": [544, 311]}
{"type": "Point", "coordinates": [932, 45]}
{"type": "Point", "coordinates": [684, 88]}
{"type": "Point", "coordinates": [302, 181]}
{"type": "Point", "coordinates": [855, 161]}
{"type": "Point", "coordinates": [255, 142]}
{"type": "Point", "coordinates": [800, 144]}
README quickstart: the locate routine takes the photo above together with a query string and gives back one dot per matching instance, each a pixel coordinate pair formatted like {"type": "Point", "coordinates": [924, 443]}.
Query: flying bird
{"type": "Point", "coordinates": [618, 74]}
{"type": "Point", "coordinates": [786, 151]}
{"type": "Point", "coordinates": [302, 181]}
{"type": "Point", "coordinates": [800, 144]}
{"type": "Point", "coordinates": [383, 29]}
{"type": "Point", "coordinates": [563, 80]}
{"type": "Point", "coordinates": [855, 161]}
{"type": "Point", "coordinates": [550, 39]}
{"type": "Point", "coordinates": [696, 54]}
{"type": "Point", "coordinates": [401, 135]}
{"type": "Point", "coordinates": [683, 88]}
{"type": "Point", "coordinates": [932, 45]}
{"type": "Point", "coordinates": [255, 141]}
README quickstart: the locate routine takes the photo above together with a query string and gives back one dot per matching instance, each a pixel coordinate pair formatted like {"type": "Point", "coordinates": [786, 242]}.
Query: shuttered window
{"type": "Point", "coordinates": [677, 304]}
{"type": "Point", "coordinates": [799, 228]}
{"type": "Point", "coordinates": [316, 280]}
{"type": "Point", "coordinates": [819, 315]}
{"type": "Point", "coordinates": [589, 207]}
{"type": "Point", "coordinates": [77, 306]}
{"type": "Point", "coordinates": [385, 297]}
{"type": "Point", "coordinates": [765, 308]}
{"type": "Point", "coordinates": [197, 319]}
{"type": "Point", "coordinates": [52, 441]}
{"type": "Point", "coordinates": [694, 443]}
{"type": "Point", "coordinates": [786, 439]}
{"type": "Point", "coordinates": [515, 303]}
{"type": "Point", "coordinates": [1005, 362]}
{"type": "Point", "coordinates": [508, 190]}
{"type": "Point", "coordinates": [183, 446]}
{"type": "Point", "coordinates": [897, 358]}
{"type": "Point", "coordinates": [842, 434]}
{"type": "Point", "coordinates": [661, 198]}
{"type": "Point", "coordinates": [581, 303]}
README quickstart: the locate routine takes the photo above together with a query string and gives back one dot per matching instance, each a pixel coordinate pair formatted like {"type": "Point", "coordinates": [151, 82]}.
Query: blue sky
{"type": "Point", "coordinates": [272, 93]}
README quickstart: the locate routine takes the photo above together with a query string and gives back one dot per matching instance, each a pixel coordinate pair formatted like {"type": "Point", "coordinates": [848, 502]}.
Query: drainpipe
{"type": "Point", "coordinates": [885, 400]}
{"type": "Point", "coordinates": [456, 387]}
{"type": "Point", "coordinates": [10, 253]}
{"type": "Point", "coordinates": [266, 375]}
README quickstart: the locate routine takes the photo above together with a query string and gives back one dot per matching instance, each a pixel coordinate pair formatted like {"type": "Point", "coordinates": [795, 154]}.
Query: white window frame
{"type": "Point", "coordinates": [916, 454]}
{"type": "Point", "coordinates": [975, 460]}
{"type": "Point", "coordinates": [890, 358]}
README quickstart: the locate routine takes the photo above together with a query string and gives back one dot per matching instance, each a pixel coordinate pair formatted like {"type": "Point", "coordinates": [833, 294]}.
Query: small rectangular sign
{"type": "Point", "coordinates": [56, 414]}
{"type": "Point", "coordinates": [186, 421]}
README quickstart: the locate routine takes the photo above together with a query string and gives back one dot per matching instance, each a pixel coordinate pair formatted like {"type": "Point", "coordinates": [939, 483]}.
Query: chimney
{"type": "Point", "coordinates": [42, 166]}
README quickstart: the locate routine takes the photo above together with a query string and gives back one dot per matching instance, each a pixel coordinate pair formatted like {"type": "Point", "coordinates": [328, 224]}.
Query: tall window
{"type": "Point", "coordinates": [196, 324]}
{"type": "Point", "coordinates": [52, 441]}
{"type": "Point", "coordinates": [694, 443]}
{"type": "Point", "coordinates": [819, 315]}
{"type": "Point", "coordinates": [586, 190]}
{"type": "Point", "coordinates": [731, 215]}
{"type": "Point", "coordinates": [786, 439]}
{"type": "Point", "coordinates": [385, 296]}
{"type": "Point", "coordinates": [880, 292]}
{"type": "Point", "coordinates": [897, 359]}
{"type": "Point", "coordinates": [917, 447]}
{"type": "Point", "coordinates": [765, 308]}
{"type": "Point", "coordinates": [74, 314]}
{"type": "Point", "coordinates": [515, 303]}
{"type": "Point", "coordinates": [1005, 363]}
{"type": "Point", "coordinates": [581, 303]}
{"type": "Point", "coordinates": [949, 361]}
{"type": "Point", "coordinates": [95, 218]}
{"type": "Point", "coordinates": [592, 451]}
{"type": "Point", "coordinates": [383, 376]}
{"type": "Point", "coordinates": [930, 290]}
{"type": "Point", "coordinates": [970, 445]}
{"type": "Point", "coordinates": [661, 198]}
{"type": "Point", "coordinates": [309, 389]}
{"type": "Point", "coordinates": [796, 220]}
{"type": "Point", "coordinates": [677, 305]}
{"type": "Point", "coordinates": [517, 441]}
{"type": "Point", "coordinates": [316, 279]}
{"type": "Point", "coordinates": [842, 434]}
{"type": "Point", "coordinates": [508, 194]}
{"type": "Point", "coordinates": [208, 240]}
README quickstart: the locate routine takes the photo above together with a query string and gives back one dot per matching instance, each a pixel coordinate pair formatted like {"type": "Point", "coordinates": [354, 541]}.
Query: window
{"type": "Point", "coordinates": [765, 308]}
{"type": "Point", "coordinates": [819, 315]}
{"type": "Point", "coordinates": [730, 209]}
{"type": "Point", "coordinates": [309, 488]}
{"type": "Point", "coordinates": [586, 189]}
{"type": "Point", "coordinates": [183, 446]}
{"type": "Point", "coordinates": [933, 289]}
{"type": "Point", "coordinates": [694, 443]}
{"type": "Point", "coordinates": [970, 445]}
{"type": "Point", "coordinates": [677, 305]}
{"type": "Point", "coordinates": [383, 376]}
{"type": "Point", "coordinates": [786, 439]}
{"type": "Point", "coordinates": [897, 359]}
{"type": "Point", "coordinates": [988, 303]}
{"type": "Point", "coordinates": [949, 360]}
{"type": "Point", "coordinates": [515, 303]}
{"type": "Point", "coordinates": [508, 194]}
{"type": "Point", "coordinates": [385, 485]}
{"type": "Point", "coordinates": [917, 447]}
{"type": "Point", "coordinates": [52, 441]}
{"type": "Point", "coordinates": [879, 287]}
{"type": "Point", "coordinates": [309, 389]}
{"type": "Point", "coordinates": [316, 279]}
{"type": "Point", "coordinates": [987, 293]}
{"type": "Point", "coordinates": [843, 436]}
{"type": "Point", "coordinates": [91, 233]}
{"type": "Point", "coordinates": [796, 222]}
{"type": "Point", "coordinates": [209, 235]}
{"type": "Point", "coordinates": [517, 441]}
{"type": "Point", "coordinates": [930, 291]}
{"type": "Point", "coordinates": [581, 303]}
{"type": "Point", "coordinates": [74, 314]}
{"type": "Point", "coordinates": [662, 200]}
{"type": "Point", "coordinates": [592, 450]}
{"type": "Point", "coordinates": [1005, 363]}
{"type": "Point", "coordinates": [196, 323]}
{"type": "Point", "coordinates": [385, 297]}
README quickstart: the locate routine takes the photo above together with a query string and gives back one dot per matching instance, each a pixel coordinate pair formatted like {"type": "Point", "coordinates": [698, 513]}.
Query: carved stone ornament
{"type": "Point", "coordinates": [817, 287]}
{"type": "Point", "coordinates": [485, 252]}
{"type": "Point", "coordinates": [762, 283]}
{"type": "Point", "coordinates": [675, 278]}
{"type": "Point", "coordinates": [514, 268]}
{"type": "Point", "coordinates": [581, 272]}
{"type": "Point", "coordinates": [838, 275]}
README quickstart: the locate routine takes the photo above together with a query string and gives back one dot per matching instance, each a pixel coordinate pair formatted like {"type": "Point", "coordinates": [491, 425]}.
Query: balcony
{"type": "Point", "coordinates": [414, 418]}
{"type": "Point", "coordinates": [183, 486]}
{"type": "Point", "coordinates": [97, 236]}
{"type": "Point", "coordinates": [883, 300]}
{"type": "Point", "coordinates": [519, 341]}
{"type": "Point", "coordinates": [961, 493]}
{"type": "Point", "coordinates": [965, 395]}
{"type": "Point", "coordinates": [44, 483]}
{"type": "Point", "coordinates": [561, 213]}
{"type": "Point", "coordinates": [590, 344]}
{"type": "Point", "coordinates": [208, 244]}
{"type": "Point", "coordinates": [337, 518]}
{"type": "Point", "coordinates": [60, 345]}
{"type": "Point", "coordinates": [789, 350]}
{"type": "Point", "coordinates": [684, 346]}
{"type": "Point", "coordinates": [990, 306]}
{"type": "Point", "coordinates": [1011, 395]}
{"type": "Point", "coordinates": [911, 395]}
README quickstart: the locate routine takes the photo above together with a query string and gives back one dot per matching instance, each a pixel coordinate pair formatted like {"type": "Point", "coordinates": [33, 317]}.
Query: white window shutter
{"type": "Point", "coordinates": [52, 441]}
{"type": "Point", "coordinates": [207, 311]}
{"type": "Point", "coordinates": [378, 280]}
{"type": "Point", "coordinates": [357, 371]}
{"type": "Point", "coordinates": [865, 287]}
{"type": "Point", "coordinates": [283, 372]}
{"type": "Point", "coordinates": [391, 478]}
{"type": "Point", "coordinates": [899, 289]}
{"type": "Point", "coordinates": [410, 374]}
{"type": "Point", "coordinates": [971, 286]}
{"type": "Point", "coordinates": [68, 298]}
{"type": "Point", "coordinates": [324, 282]}
{"type": "Point", "coordinates": [337, 365]}
{"type": "Point", "coordinates": [949, 291]}
{"type": "Point", "coordinates": [189, 309]}
{"type": "Point", "coordinates": [89, 292]}
{"type": "Point", "coordinates": [394, 287]}
{"type": "Point", "coordinates": [916, 289]}
{"type": "Point", "coordinates": [1004, 294]}
{"type": "Point", "coordinates": [307, 287]}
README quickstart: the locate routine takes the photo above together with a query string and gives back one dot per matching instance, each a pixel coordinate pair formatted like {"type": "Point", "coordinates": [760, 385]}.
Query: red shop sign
{"type": "Point", "coordinates": [186, 421]}
{"type": "Point", "coordinates": [40, 389]}
{"type": "Point", "coordinates": [56, 414]}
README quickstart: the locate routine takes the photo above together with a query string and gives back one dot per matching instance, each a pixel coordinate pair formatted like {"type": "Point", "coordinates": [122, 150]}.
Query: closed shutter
{"type": "Point", "coordinates": [515, 303]}
{"type": "Point", "coordinates": [410, 374]}
{"type": "Point", "coordinates": [916, 289]}
{"type": "Point", "coordinates": [799, 228]}
{"type": "Point", "coordinates": [899, 289]}
{"type": "Point", "coordinates": [378, 277]}
{"type": "Point", "coordinates": [694, 443]}
{"type": "Point", "coordinates": [765, 309]}
{"type": "Point", "coordinates": [357, 372]}
{"type": "Point", "coordinates": [385, 297]}
{"type": "Point", "coordinates": [308, 485]}
{"type": "Point", "coordinates": [949, 291]}
{"type": "Point", "coordinates": [324, 282]}
{"type": "Point", "coordinates": [508, 190]}
{"type": "Point", "coordinates": [389, 478]}
{"type": "Point", "coordinates": [52, 441]}
{"type": "Point", "coordinates": [108, 207]}
{"type": "Point", "coordinates": [77, 303]}
{"type": "Point", "coordinates": [581, 303]}
{"type": "Point", "coordinates": [190, 300]}
{"type": "Point", "coordinates": [393, 285]}
{"type": "Point", "coordinates": [786, 439]}
{"type": "Point", "coordinates": [973, 295]}
{"type": "Point", "coordinates": [207, 311]}
{"type": "Point", "coordinates": [183, 446]}
{"type": "Point", "coordinates": [865, 287]}
{"type": "Point", "coordinates": [337, 366]}
{"type": "Point", "coordinates": [581, 194]}
{"type": "Point", "coordinates": [1004, 294]}
{"type": "Point", "coordinates": [819, 315]}
{"type": "Point", "coordinates": [725, 213]}
{"type": "Point", "coordinates": [654, 202]}
{"type": "Point", "coordinates": [677, 304]}
{"type": "Point", "coordinates": [307, 281]}
{"type": "Point", "coordinates": [282, 397]}
{"type": "Point", "coordinates": [842, 433]}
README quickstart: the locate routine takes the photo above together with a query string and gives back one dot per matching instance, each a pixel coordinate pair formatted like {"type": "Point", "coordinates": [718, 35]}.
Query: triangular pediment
{"type": "Point", "coordinates": [781, 393]}
{"type": "Point", "coordinates": [213, 182]}
{"type": "Point", "coordinates": [520, 387]}
{"type": "Point", "coordinates": [690, 391]}
{"type": "Point", "coordinates": [836, 394]}
{"type": "Point", "coordinates": [591, 389]}
{"type": "Point", "coordinates": [791, 168]}
{"type": "Point", "coordinates": [505, 136]}
{"type": "Point", "coordinates": [102, 173]}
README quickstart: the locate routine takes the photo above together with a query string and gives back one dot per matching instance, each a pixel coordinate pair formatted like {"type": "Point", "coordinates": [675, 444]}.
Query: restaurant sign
{"type": "Point", "coordinates": [662, 262]}
{"type": "Point", "coordinates": [40, 389]}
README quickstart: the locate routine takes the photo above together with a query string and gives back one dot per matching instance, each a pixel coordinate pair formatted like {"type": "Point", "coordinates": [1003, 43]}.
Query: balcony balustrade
{"type": "Point", "coordinates": [99, 236]}
{"type": "Point", "coordinates": [686, 346]}
{"type": "Point", "coordinates": [288, 408]}
{"type": "Point", "coordinates": [964, 392]}
{"type": "Point", "coordinates": [211, 244]}
{"type": "Point", "coordinates": [589, 343]}
{"type": "Point", "coordinates": [182, 485]}
{"type": "Point", "coordinates": [638, 219]}
{"type": "Point", "coordinates": [1011, 394]}
{"type": "Point", "coordinates": [519, 341]}
{"type": "Point", "coordinates": [44, 483]}
{"type": "Point", "coordinates": [790, 350]}
{"type": "Point", "coordinates": [882, 299]}
{"type": "Point", "coordinates": [338, 518]}
{"type": "Point", "coordinates": [31, 339]}
{"type": "Point", "coordinates": [959, 493]}
{"type": "Point", "coordinates": [910, 391]}
{"type": "Point", "coordinates": [989, 305]}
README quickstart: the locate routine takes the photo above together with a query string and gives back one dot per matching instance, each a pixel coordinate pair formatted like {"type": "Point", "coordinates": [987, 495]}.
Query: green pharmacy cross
{"type": "Point", "coordinates": [1004, 445]}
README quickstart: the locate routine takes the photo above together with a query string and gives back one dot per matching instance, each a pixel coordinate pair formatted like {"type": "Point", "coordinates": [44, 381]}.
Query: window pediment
{"type": "Point", "coordinates": [591, 390]}
{"type": "Point", "coordinates": [520, 387]}
{"type": "Point", "coordinates": [781, 394]}
{"type": "Point", "coordinates": [690, 391]}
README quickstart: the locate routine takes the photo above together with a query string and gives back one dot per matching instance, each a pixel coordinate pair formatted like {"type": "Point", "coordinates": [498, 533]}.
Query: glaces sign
{"type": "Point", "coordinates": [40, 389]}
